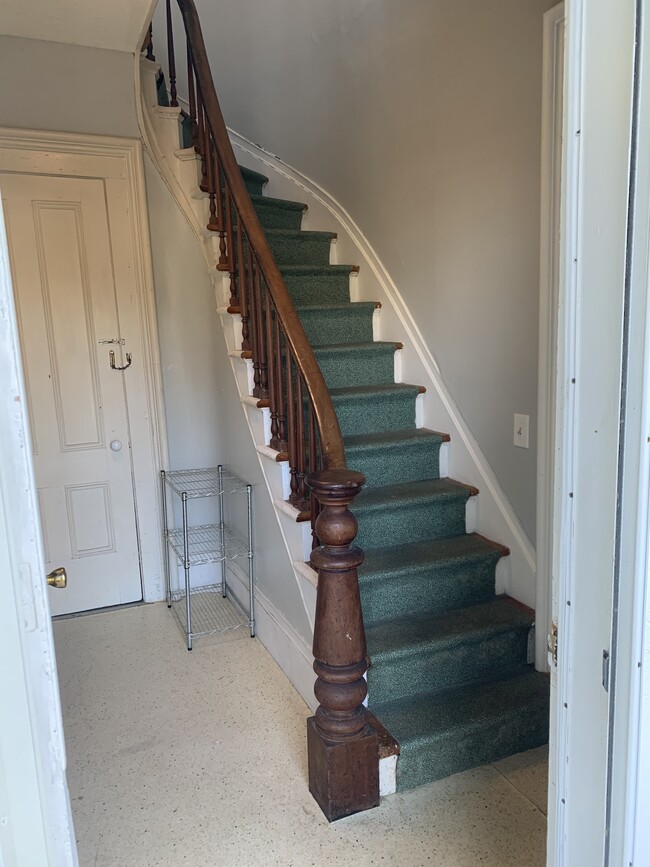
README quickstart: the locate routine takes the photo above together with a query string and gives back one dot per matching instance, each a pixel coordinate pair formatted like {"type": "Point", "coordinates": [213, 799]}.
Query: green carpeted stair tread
{"type": "Point", "coordinates": [421, 653]}
{"type": "Point", "coordinates": [390, 457]}
{"type": "Point", "coordinates": [300, 247]}
{"type": "Point", "coordinates": [427, 577]}
{"type": "Point", "coordinates": [401, 559]}
{"type": "Point", "coordinates": [255, 181]}
{"type": "Point", "coordinates": [457, 729]}
{"type": "Point", "coordinates": [410, 512]}
{"type": "Point", "coordinates": [356, 364]}
{"type": "Point", "coordinates": [373, 408]}
{"type": "Point", "coordinates": [287, 204]}
{"type": "Point", "coordinates": [278, 213]}
{"type": "Point", "coordinates": [406, 493]}
{"type": "Point", "coordinates": [345, 322]}
{"type": "Point", "coordinates": [406, 636]}
{"type": "Point", "coordinates": [317, 270]}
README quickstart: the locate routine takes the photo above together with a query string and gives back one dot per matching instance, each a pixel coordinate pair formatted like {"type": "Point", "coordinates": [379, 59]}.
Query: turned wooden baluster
{"type": "Point", "coordinates": [314, 505]}
{"type": "Point", "coordinates": [191, 93]}
{"type": "Point", "coordinates": [243, 293]}
{"type": "Point", "coordinates": [201, 138]}
{"type": "Point", "coordinates": [273, 389]}
{"type": "Point", "coordinates": [171, 61]}
{"type": "Point", "coordinates": [301, 444]}
{"type": "Point", "coordinates": [254, 308]}
{"type": "Point", "coordinates": [233, 304]}
{"type": "Point", "coordinates": [343, 751]}
{"type": "Point", "coordinates": [260, 330]}
{"type": "Point", "coordinates": [148, 44]}
{"type": "Point", "coordinates": [276, 358]}
{"type": "Point", "coordinates": [291, 429]}
{"type": "Point", "coordinates": [213, 222]}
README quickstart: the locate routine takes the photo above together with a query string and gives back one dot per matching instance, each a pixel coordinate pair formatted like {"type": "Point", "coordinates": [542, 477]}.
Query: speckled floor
{"type": "Point", "coordinates": [199, 758]}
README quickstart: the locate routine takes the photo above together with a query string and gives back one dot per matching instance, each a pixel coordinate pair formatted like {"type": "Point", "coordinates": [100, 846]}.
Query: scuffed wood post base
{"type": "Point", "coordinates": [344, 775]}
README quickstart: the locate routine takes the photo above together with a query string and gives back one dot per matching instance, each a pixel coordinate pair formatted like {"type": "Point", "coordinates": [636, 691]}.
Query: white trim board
{"type": "Point", "coordinates": [496, 517]}
{"type": "Point", "coordinates": [118, 162]}
{"type": "Point", "coordinates": [552, 93]}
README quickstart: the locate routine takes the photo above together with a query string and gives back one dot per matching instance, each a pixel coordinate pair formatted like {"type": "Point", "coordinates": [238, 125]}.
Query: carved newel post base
{"type": "Point", "coordinates": [343, 749]}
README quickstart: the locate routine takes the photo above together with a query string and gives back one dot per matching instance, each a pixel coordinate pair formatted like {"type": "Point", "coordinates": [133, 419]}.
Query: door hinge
{"type": "Point", "coordinates": [552, 644]}
{"type": "Point", "coordinates": [606, 670]}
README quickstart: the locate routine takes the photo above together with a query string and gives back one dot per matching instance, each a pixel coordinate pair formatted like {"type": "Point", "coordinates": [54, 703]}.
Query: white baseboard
{"type": "Point", "coordinates": [290, 650]}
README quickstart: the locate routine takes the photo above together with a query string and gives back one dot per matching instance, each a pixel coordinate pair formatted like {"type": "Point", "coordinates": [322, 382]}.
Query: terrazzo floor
{"type": "Point", "coordinates": [198, 758]}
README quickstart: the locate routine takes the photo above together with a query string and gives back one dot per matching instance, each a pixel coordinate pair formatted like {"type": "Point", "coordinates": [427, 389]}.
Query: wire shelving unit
{"type": "Point", "coordinates": [211, 609]}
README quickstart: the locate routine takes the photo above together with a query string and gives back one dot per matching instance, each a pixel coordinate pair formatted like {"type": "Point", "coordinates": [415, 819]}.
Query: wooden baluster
{"type": "Point", "coordinates": [191, 97]}
{"type": "Point", "coordinates": [254, 309]}
{"type": "Point", "coordinates": [213, 223]}
{"type": "Point", "coordinates": [270, 348]}
{"type": "Point", "coordinates": [301, 446]}
{"type": "Point", "coordinates": [261, 334]}
{"type": "Point", "coordinates": [171, 61]}
{"type": "Point", "coordinates": [203, 183]}
{"type": "Point", "coordinates": [343, 752]}
{"type": "Point", "coordinates": [291, 432]}
{"type": "Point", "coordinates": [233, 306]}
{"type": "Point", "coordinates": [281, 444]}
{"type": "Point", "coordinates": [148, 43]}
{"type": "Point", "coordinates": [314, 505]}
{"type": "Point", "coordinates": [243, 294]}
{"type": "Point", "coordinates": [220, 185]}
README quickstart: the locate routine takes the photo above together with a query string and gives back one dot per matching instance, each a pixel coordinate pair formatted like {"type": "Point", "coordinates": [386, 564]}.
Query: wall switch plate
{"type": "Point", "coordinates": [522, 425]}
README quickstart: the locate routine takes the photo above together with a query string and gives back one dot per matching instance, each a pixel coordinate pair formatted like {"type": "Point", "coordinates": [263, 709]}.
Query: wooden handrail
{"type": "Point", "coordinates": [331, 441]}
{"type": "Point", "coordinates": [304, 428]}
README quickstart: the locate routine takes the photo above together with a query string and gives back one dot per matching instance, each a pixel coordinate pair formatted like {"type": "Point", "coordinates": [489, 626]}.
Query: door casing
{"type": "Point", "coordinates": [118, 162]}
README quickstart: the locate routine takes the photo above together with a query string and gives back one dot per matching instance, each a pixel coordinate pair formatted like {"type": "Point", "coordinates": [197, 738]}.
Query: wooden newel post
{"type": "Point", "coordinates": [342, 746]}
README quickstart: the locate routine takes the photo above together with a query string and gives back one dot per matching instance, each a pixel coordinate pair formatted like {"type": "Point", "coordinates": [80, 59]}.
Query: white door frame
{"type": "Point", "coordinates": [598, 143]}
{"type": "Point", "coordinates": [629, 770]}
{"type": "Point", "coordinates": [552, 119]}
{"type": "Point", "coordinates": [118, 162]}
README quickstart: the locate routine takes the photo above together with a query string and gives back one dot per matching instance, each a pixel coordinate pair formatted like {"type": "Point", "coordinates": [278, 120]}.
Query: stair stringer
{"type": "Point", "coordinates": [494, 517]}
{"type": "Point", "coordinates": [178, 169]}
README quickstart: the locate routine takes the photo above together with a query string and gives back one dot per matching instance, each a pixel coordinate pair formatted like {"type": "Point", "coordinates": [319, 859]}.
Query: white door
{"type": "Point", "coordinates": [63, 274]}
{"type": "Point", "coordinates": [35, 821]}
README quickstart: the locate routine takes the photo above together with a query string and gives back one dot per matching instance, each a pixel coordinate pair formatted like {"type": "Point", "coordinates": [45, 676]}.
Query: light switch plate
{"type": "Point", "coordinates": [522, 425]}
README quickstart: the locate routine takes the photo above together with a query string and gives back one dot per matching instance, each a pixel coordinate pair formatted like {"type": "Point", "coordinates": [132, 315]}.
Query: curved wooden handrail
{"type": "Point", "coordinates": [331, 440]}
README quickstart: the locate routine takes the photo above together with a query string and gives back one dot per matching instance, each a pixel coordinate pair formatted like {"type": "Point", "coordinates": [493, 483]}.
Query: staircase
{"type": "Point", "coordinates": [450, 676]}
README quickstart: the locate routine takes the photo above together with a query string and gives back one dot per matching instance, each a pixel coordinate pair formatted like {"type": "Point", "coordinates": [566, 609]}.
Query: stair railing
{"type": "Point", "coordinates": [342, 745]}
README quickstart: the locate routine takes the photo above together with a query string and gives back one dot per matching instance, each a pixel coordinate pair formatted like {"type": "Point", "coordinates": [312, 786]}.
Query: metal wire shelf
{"type": "Point", "coordinates": [212, 614]}
{"type": "Point", "coordinates": [203, 482]}
{"type": "Point", "coordinates": [205, 544]}
{"type": "Point", "coordinates": [201, 611]}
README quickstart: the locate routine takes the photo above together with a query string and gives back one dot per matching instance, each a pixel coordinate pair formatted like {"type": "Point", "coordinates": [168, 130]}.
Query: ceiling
{"type": "Point", "coordinates": [115, 24]}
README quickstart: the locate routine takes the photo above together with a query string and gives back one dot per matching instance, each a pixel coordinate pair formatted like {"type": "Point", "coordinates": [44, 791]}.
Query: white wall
{"type": "Point", "coordinates": [206, 424]}
{"type": "Point", "coordinates": [423, 120]}
{"type": "Point", "coordinates": [67, 88]}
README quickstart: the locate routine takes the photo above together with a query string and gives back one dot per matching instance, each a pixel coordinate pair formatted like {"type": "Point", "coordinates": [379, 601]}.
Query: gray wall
{"type": "Point", "coordinates": [206, 424]}
{"type": "Point", "coordinates": [423, 119]}
{"type": "Point", "coordinates": [66, 88]}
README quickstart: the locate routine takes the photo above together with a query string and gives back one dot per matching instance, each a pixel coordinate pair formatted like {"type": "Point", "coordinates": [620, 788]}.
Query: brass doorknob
{"type": "Point", "coordinates": [58, 578]}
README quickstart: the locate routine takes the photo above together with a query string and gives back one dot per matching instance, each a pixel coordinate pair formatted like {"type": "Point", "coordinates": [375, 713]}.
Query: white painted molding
{"type": "Point", "coordinates": [467, 463]}
{"type": "Point", "coordinates": [118, 161]}
{"type": "Point", "coordinates": [291, 652]}
{"type": "Point", "coordinates": [552, 91]}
